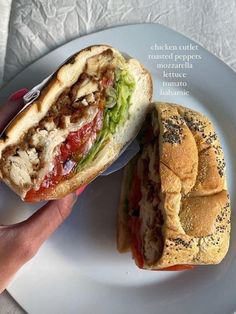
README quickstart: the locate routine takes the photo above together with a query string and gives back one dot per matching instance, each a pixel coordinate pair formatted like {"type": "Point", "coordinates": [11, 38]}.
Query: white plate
{"type": "Point", "coordinates": [79, 270]}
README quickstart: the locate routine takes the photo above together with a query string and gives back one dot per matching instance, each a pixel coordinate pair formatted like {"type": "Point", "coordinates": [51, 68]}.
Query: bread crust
{"type": "Point", "coordinates": [63, 78]}
{"type": "Point", "coordinates": [195, 201]}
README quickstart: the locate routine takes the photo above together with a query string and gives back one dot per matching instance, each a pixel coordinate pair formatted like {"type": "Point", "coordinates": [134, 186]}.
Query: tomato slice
{"type": "Point", "coordinates": [76, 140]}
{"type": "Point", "coordinates": [50, 180]}
{"type": "Point", "coordinates": [136, 242]}
{"type": "Point", "coordinates": [75, 143]}
{"type": "Point", "coordinates": [177, 268]}
{"type": "Point", "coordinates": [65, 152]}
{"type": "Point", "coordinates": [135, 221]}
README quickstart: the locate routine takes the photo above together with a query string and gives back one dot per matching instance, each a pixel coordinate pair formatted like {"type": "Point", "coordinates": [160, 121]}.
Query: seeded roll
{"type": "Point", "coordinates": [175, 211]}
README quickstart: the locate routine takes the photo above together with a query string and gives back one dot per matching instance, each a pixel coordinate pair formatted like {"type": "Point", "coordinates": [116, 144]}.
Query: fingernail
{"type": "Point", "coordinates": [80, 190]}
{"type": "Point", "coordinates": [18, 94]}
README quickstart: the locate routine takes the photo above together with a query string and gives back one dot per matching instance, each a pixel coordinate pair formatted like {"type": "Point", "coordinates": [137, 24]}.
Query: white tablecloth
{"type": "Point", "coordinates": [31, 28]}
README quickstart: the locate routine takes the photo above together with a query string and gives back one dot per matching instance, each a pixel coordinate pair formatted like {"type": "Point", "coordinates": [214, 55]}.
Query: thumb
{"type": "Point", "coordinates": [36, 229]}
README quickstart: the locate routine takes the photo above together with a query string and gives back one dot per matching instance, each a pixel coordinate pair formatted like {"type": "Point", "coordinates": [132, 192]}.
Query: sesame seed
{"type": "Point", "coordinates": [173, 131]}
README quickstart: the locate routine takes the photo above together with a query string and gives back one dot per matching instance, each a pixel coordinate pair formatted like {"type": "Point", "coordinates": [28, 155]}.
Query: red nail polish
{"type": "Point", "coordinates": [80, 190]}
{"type": "Point", "coordinates": [18, 94]}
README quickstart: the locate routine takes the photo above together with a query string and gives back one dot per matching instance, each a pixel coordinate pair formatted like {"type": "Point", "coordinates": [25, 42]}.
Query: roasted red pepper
{"type": "Point", "coordinates": [177, 267]}
{"type": "Point", "coordinates": [75, 144]}
{"type": "Point", "coordinates": [136, 242]}
{"type": "Point", "coordinates": [135, 221]}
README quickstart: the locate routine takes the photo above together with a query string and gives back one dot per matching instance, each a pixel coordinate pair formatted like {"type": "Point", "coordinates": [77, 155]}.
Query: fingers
{"type": "Point", "coordinates": [7, 111]}
{"type": "Point", "coordinates": [31, 233]}
{"type": "Point", "coordinates": [18, 94]}
{"type": "Point", "coordinates": [20, 242]}
{"type": "Point", "coordinates": [46, 220]}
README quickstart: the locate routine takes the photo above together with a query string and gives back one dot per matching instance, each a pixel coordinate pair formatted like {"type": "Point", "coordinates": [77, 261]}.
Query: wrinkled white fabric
{"type": "Point", "coordinates": [5, 8]}
{"type": "Point", "coordinates": [38, 26]}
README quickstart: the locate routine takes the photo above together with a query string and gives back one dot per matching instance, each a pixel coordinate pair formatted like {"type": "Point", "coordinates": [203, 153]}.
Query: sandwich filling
{"type": "Point", "coordinates": [144, 212]}
{"type": "Point", "coordinates": [144, 200]}
{"type": "Point", "coordinates": [75, 129]}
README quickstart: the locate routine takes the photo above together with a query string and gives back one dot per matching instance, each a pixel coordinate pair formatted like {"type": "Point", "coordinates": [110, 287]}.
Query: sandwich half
{"type": "Point", "coordinates": [89, 110]}
{"type": "Point", "coordinates": [174, 210]}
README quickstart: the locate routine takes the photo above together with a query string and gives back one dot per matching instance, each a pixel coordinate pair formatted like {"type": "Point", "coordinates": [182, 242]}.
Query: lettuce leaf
{"type": "Point", "coordinates": [115, 114]}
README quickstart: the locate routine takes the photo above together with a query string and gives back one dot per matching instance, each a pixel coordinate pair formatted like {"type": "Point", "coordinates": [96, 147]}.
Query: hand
{"type": "Point", "coordinates": [20, 242]}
